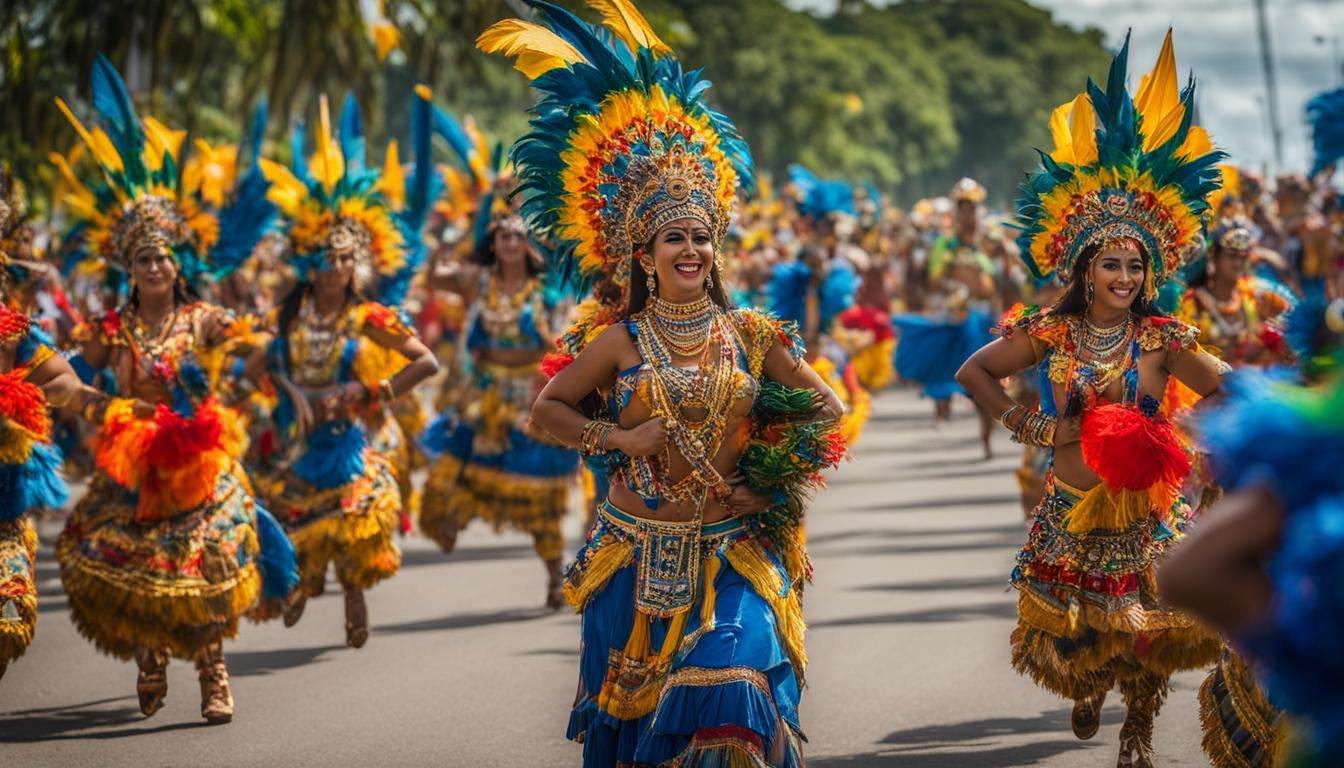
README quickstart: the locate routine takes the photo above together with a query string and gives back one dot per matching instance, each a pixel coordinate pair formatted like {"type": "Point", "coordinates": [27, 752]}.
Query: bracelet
{"type": "Point", "coordinates": [1007, 415]}
{"type": "Point", "coordinates": [1035, 428]}
{"type": "Point", "coordinates": [385, 392]}
{"type": "Point", "coordinates": [91, 410]}
{"type": "Point", "coordinates": [593, 436]}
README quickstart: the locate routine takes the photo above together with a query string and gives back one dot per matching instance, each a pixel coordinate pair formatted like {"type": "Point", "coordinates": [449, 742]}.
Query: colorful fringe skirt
{"type": "Point", "coordinates": [18, 588]}
{"type": "Point", "coordinates": [349, 525]}
{"type": "Point", "coordinates": [1241, 728]}
{"type": "Point", "coordinates": [391, 440]}
{"type": "Point", "coordinates": [929, 351]}
{"type": "Point", "coordinates": [486, 467]}
{"type": "Point", "coordinates": [692, 646]}
{"type": "Point", "coordinates": [1088, 613]}
{"type": "Point", "coordinates": [177, 584]}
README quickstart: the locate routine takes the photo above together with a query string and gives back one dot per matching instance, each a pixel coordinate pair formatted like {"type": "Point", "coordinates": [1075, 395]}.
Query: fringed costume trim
{"type": "Point", "coordinates": [18, 588]}
{"type": "Point", "coordinates": [177, 584]}
{"type": "Point", "coordinates": [458, 492]}
{"type": "Point", "coordinates": [351, 525]}
{"type": "Point", "coordinates": [1240, 725]}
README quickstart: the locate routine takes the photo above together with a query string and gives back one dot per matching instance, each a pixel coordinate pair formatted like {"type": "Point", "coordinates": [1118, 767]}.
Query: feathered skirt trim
{"type": "Point", "coordinates": [715, 682]}
{"type": "Point", "coordinates": [176, 584]}
{"type": "Point", "coordinates": [509, 479]}
{"type": "Point", "coordinates": [18, 588]}
{"type": "Point", "coordinates": [931, 350]}
{"type": "Point", "coordinates": [349, 525]}
{"type": "Point", "coordinates": [1088, 612]}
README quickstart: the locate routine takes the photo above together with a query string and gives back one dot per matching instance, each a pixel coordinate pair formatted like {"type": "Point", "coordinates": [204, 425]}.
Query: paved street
{"type": "Point", "coordinates": [909, 622]}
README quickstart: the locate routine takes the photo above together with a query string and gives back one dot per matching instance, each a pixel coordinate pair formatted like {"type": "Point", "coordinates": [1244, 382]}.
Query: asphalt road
{"type": "Point", "coordinates": [909, 621]}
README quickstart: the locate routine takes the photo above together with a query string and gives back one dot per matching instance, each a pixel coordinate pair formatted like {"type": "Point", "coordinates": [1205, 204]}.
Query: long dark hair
{"type": "Point", "coordinates": [639, 288]}
{"type": "Point", "coordinates": [293, 302]}
{"type": "Point", "coordinates": [1074, 300]}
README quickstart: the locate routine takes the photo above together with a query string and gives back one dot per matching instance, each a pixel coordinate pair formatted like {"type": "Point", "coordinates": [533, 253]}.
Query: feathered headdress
{"type": "Point", "coordinates": [208, 211]}
{"type": "Point", "coordinates": [622, 142]}
{"type": "Point", "coordinates": [1123, 168]}
{"type": "Point", "coordinates": [333, 202]}
{"type": "Point", "coordinates": [1325, 113]}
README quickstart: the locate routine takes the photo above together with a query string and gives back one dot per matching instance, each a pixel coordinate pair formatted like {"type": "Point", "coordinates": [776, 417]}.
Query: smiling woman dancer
{"type": "Point", "coordinates": [340, 361]}
{"type": "Point", "coordinates": [1120, 198]}
{"type": "Point", "coordinates": [167, 548]}
{"type": "Point", "coordinates": [689, 581]}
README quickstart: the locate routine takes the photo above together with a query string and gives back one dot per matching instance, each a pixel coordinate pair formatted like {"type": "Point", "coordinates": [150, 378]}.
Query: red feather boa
{"type": "Point", "coordinates": [1130, 451]}
{"type": "Point", "coordinates": [23, 403]}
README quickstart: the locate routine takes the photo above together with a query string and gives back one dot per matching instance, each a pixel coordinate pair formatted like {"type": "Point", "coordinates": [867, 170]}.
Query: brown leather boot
{"type": "Point", "coordinates": [356, 618]}
{"type": "Point", "coordinates": [151, 684]}
{"type": "Point", "coordinates": [216, 698]}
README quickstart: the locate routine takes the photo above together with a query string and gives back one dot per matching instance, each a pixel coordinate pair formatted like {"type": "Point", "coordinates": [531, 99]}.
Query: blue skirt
{"type": "Point", "coordinates": [930, 351]}
{"type": "Point", "coordinates": [718, 683]}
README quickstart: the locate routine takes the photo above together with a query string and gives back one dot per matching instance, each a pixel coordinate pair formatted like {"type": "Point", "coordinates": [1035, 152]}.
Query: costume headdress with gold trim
{"type": "Point", "coordinates": [333, 201]}
{"type": "Point", "coordinates": [208, 210]}
{"type": "Point", "coordinates": [622, 142]}
{"type": "Point", "coordinates": [1123, 168]}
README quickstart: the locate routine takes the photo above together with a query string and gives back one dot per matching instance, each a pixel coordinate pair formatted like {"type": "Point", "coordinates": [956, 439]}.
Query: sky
{"type": "Point", "coordinates": [1218, 40]}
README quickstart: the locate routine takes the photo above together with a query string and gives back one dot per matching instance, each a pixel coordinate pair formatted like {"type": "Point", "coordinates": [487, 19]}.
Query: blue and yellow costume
{"type": "Point", "coordinates": [930, 348]}
{"type": "Point", "coordinates": [30, 479]}
{"type": "Point", "coordinates": [489, 466]}
{"type": "Point", "coordinates": [168, 548]}
{"type": "Point", "coordinates": [692, 632]}
{"type": "Point", "coordinates": [337, 493]}
{"type": "Point", "coordinates": [1134, 173]}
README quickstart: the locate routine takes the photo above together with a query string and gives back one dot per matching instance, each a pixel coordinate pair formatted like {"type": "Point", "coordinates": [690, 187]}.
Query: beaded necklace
{"type": "Point", "coordinates": [683, 328]}
{"type": "Point", "coordinates": [500, 312]}
{"type": "Point", "coordinates": [317, 344]}
{"type": "Point", "coordinates": [710, 391]}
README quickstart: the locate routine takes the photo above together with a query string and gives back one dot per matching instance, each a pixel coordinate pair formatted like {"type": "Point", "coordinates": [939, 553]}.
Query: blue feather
{"type": "Point", "coordinates": [1325, 114]}
{"type": "Point", "coordinates": [117, 115]}
{"type": "Point", "coordinates": [837, 291]}
{"type": "Point", "coordinates": [352, 134]}
{"type": "Point", "coordinates": [786, 293]}
{"type": "Point", "coordinates": [278, 561]}
{"type": "Point", "coordinates": [452, 132]}
{"type": "Point", "coordinates": [34, 484]}
{"type": "Point", "coordinates": [334, 455]}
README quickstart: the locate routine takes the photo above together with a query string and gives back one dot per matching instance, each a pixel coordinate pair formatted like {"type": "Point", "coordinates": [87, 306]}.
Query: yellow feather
{"type": "Point", "coordinates": [1196, 144]}
{"type": "Point", "coordinates": [393, 182]}
{"type": "Point", "coordinates": [1083, 126]}
{"type": "Point", "coordinates": [160, 140]}
{"type": "Point", "coordinates": [627, 23]}
{"type": "Point", "coordinates": [385, 38]}
{"type": "Point", "coordinates": [1159, 100]}
{"type": "Point", "coordinates": [97, 142]}
{"type": "Point", "coordinates": [286, 191]}
{"type": "Point", "coordinates": [327, 161]}
{"type": "Point", "coordinates": [78, 197]}
{"type": "Point", "coordinates": [538, 50]}
{"type": "Point", "coordinates": [1059, 133]}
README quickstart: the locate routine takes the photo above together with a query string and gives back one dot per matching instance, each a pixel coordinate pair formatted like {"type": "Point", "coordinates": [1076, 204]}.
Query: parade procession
{"type": "Point", "coordinates": [672, 383]}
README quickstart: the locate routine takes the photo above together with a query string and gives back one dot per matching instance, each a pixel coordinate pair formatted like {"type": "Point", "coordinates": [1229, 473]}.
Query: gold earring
{"type": "Point", "coordinates": [1091, 293]}
{"type": "Point", "coordinates": [650, 282]}
{"type": "Point", "coordinates": [709, 281]}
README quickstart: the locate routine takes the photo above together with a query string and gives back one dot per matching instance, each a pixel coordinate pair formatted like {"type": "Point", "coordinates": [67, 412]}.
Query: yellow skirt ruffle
{"type": "Point", "coordinates": [456, 494]}
{"type": "Point", "coordinates": [351, 526]}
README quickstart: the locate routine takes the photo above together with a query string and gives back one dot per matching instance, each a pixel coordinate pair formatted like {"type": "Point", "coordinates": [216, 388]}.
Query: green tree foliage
{"type": "Point", "coordinates": [910, 95]}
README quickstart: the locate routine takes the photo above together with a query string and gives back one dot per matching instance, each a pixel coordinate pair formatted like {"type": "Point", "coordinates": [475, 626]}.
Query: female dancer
{"type": "Point", "coordinates": [689, 581]}
{"type": "Point", "coordinates": [488, 466]}
{"type": "Point", "coordinates": [167, 549]}
{"type": "Point", "coordinates": [1088, 614]}
{"type": "Point", "coordinates": [340, 361]}
{"type": "Point", "coordinates": [1239, 316]}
